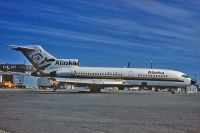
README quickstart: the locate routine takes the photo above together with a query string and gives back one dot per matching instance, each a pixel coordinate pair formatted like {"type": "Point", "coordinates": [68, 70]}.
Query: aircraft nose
{"type": "Point", "coordinates": [193, 82]}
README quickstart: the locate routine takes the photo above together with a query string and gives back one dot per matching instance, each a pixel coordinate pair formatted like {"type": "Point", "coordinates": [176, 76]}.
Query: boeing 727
{"type": "Point", "coordinates": [68, 71]}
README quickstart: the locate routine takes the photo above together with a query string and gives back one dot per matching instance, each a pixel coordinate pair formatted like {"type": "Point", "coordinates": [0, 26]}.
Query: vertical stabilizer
{"type": "Point", "coordinates": [39, 58]}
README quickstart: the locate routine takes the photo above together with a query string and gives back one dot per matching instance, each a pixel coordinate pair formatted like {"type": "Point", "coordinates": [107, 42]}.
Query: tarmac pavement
{"type": "Point", "coordinates": [23, 111]}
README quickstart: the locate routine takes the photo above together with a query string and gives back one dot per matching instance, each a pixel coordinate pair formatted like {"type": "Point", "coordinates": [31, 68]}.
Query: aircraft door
{"type": "Point", "coordinates": [130, 74]}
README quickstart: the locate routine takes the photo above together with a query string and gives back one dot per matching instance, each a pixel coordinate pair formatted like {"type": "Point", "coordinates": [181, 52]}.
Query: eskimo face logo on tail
{"type": "Point", "coordinates": [40, 59]}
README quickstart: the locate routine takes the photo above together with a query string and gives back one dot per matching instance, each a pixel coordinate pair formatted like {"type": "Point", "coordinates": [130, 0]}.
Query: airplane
{"type": "Point", "coordinates": [68, 71]}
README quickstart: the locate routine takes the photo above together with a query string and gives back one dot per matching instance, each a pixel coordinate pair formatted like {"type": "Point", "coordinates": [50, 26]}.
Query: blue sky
{"type": "Point", "coordinates": [106, 32]}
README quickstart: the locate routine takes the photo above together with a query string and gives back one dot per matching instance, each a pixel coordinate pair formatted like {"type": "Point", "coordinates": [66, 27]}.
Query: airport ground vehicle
{"type": "Point", "coordinates": [8, 84]}
{"type": "Point", "coordinates": [44, 83]}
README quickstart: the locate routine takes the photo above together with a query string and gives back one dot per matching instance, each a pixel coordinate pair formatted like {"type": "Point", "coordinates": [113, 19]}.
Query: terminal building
{"type": "Point", "coordinates": [17, 76]}
{"type": "Point", "coordinates": [16, 68]}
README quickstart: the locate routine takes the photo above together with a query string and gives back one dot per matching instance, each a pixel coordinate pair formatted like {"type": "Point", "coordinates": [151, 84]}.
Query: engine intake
{"type": "Point", "coordinates": [61, 73]}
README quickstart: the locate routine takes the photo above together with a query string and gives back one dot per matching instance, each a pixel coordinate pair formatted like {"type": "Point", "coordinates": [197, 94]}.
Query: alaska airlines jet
{"type": "Point", "coordinates": [68, 71]}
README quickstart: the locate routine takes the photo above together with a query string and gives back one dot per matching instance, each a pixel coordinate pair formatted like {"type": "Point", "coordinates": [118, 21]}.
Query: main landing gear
{"type": "Point", "coordinates": [95, 90]}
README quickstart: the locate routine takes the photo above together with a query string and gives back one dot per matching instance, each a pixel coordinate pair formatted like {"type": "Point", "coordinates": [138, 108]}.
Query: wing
{"type": "Point", "coordinates": [91, 82]}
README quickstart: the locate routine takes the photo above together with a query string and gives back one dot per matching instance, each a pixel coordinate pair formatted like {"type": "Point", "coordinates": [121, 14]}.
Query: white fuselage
{"type": "Point", "coordinates": [130, 76]}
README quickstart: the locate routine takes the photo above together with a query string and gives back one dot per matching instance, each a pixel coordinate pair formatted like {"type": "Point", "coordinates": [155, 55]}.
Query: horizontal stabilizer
{"type": "Point", "coordinates": [21, 48]}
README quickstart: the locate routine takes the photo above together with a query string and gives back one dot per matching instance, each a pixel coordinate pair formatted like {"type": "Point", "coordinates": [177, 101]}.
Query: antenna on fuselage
{"type": "Point", "coordinates": [151, 63]}
{"type": "Point", "coordinates": [129, 65]}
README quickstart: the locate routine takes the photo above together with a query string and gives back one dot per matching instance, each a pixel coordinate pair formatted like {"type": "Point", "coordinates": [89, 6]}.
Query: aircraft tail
{"type": "Point", "coordinates": [39, 58]}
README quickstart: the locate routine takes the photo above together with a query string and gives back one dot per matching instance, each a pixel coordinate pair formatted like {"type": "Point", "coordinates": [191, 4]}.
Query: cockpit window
{"type": "Point", "coordinates": [185, 76]}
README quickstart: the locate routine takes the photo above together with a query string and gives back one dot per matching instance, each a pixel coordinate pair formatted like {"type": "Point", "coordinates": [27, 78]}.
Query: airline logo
{"type": "Point", "coordinates": [67, 62]}
{"type": "Point", "coordinates": [40, 59]}
{"type": "Point", "coordinates": [156, 72]}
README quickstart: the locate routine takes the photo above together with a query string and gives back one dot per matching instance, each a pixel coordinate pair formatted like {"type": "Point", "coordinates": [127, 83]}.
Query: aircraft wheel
{"type": "Point", "coordinates": [172, 92]}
